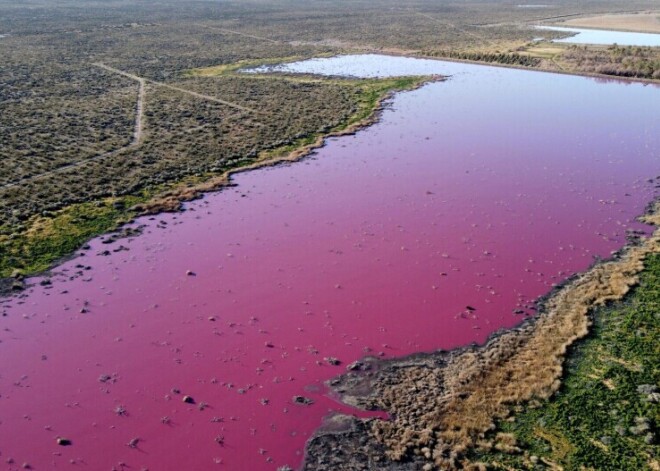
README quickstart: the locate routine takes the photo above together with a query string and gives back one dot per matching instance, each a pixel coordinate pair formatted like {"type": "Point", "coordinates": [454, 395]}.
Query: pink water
{"type": "Point", "coordinates": [482, 191]}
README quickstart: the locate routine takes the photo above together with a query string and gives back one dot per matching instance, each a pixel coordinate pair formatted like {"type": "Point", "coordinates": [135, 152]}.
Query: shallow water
{"type": "Point", "coordinates": [605, 37]}
{"type": "Point", "coordinates": [368, 66]}
{"type": "Point", "coordinates": [480, 191]}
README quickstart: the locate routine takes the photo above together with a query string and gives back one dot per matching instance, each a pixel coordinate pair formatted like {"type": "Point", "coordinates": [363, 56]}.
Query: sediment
{"type": "Point", "coordinates": [442, 404]}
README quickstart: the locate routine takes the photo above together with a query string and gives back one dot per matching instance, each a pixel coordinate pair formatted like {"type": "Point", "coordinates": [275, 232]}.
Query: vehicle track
{"type": "Point", "coordinates": [179, 89]}
{"type": "Point", "coordinates": [451, 25]}
{"type": "Point", "coordinates": [231, 31]}
{"type": "Point", "coordinates": [139, 122]}
{"type": "Point", "coordinates": [137, 134]}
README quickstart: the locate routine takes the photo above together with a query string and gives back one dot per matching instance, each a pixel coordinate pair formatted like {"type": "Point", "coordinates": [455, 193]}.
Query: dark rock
{"type": "Point", "coordinates": [358, 366]}
{"type": "Point", "coordinates": [302, 400]}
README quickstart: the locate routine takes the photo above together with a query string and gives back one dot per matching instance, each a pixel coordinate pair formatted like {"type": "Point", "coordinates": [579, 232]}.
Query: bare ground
{"type": "Point", "coordinates": [644, 22]}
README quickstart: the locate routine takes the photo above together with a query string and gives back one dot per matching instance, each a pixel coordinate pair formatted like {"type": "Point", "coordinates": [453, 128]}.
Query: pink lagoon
{"type": "Point", "coordinates": [431, 229]}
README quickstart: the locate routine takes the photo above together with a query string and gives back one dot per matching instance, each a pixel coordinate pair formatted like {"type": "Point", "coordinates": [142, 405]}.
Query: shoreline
{"type": "Point", "coordinates": [443, 403]}
{"type": "Point", "coordinates": [517, 67]}
{"type": "Point", "coordinates": [172, 199]}
{"type": "Point", "coordinates": [440, 359]}
{"type": "Point", "coordinates": [173, 202]}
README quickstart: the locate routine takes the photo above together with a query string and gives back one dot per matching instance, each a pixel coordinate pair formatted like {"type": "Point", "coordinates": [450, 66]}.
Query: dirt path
{"type": "Point", "coordinates": [137, 134]}
{"type": "Point", "coordinates": [451, 25]}
{"type": "Point", "coordinates": [68, 167]}
{"type": "Point", "coordinates": [139, 113]}
{"type": "Point", "coordinates": [139, 122]}
{"type": "Point", "coordinates": [206, 97]}
{"type": "Point", "coordinates": [556, 62]}
{"type": "Point", "coordinates": [231, 31]}
{"type": "Point", "coordinates": [172, 87]}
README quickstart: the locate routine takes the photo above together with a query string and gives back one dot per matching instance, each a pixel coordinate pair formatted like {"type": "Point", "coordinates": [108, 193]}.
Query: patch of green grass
{"type": "Point", "coordinates": [373, 90]}
{"type": "Point", "coordinates": [603, 417]}
{"type": "Point", "coordinates": [369, 91]}
{"type": "Point", "coordinates": [47, 239]}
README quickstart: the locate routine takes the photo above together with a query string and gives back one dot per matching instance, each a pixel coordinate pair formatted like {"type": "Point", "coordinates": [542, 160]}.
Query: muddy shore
{"type": "Point", "coordinates": [444, 403]}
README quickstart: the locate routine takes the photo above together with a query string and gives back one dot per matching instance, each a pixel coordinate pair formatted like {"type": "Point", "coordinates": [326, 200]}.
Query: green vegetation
{"type": "Point", "coordinates": [607, 412]}
{"type": "Point", "coordinates": [616, 61]}
{"type": "Point", "coordinates": [626, 61]}
{"type": "Point", "coordinates": [508, 58]}
{"type": "Point", "coordinates": [49, 238]}
{"type": "Point", "coordinates": [373, 91]}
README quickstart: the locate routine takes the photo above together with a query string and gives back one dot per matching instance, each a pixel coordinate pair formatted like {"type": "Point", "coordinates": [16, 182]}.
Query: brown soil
{"type": "Point", "coordinates": [443, 403]}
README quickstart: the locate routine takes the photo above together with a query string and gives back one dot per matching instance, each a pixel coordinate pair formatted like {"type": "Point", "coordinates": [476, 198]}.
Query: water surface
{"type": "Point", "coordinates": [605, 37]}
{"type": "Point", "coordinates": [481, 191]}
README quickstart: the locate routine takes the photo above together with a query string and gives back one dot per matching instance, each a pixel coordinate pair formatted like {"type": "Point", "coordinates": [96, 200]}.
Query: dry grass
{"type": "Point", "coordinates": [543, 52]}
{"type": "Point", "coordinates": [560, 445]}
{"type": "Point", "coordinates": [448, 405]}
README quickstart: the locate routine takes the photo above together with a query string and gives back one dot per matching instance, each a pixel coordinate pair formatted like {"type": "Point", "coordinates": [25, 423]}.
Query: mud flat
{"type": "Point", "coordinates": [644, 22]}
{"type": "Point", "coordinates": [207, 340]}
